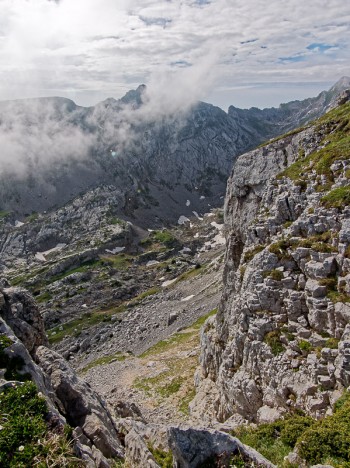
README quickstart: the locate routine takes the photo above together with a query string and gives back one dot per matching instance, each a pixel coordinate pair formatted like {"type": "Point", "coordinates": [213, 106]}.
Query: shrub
{"type": "Point", "coordinates": [273, 339]}
{"type": "Point", "coordinates": [305, 346]}
{"type": "Point", "coordinates": [277, 275]}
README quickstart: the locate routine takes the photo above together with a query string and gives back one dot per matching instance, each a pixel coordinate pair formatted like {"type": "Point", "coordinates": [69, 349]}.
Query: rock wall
{"type": "Point", "coordinates": [281, 337]}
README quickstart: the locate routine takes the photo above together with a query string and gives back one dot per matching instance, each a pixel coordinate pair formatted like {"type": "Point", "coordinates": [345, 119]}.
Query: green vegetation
{"type": "Point", "coordinates": [328, 440]}
{"type": "Point", "coordinates": [89, 319]}
{"type": "Point", "coordinates": [273, 339]}
{"type": "Point", "coordinates": [104, 360]}
{"type": "Point", "coordinates": [250, 254]}
{"type": "Point", "coordinates": [277, 275]}
{"type": "Point", "coordinates": [275, 440]}
{"type": "Point", "coordinates": [44, 297]}
{"type": "Point", "coordinates": [25, 439]}
{"type": "Point", "coordinates": [317, 242]}
{"type": "Point", "coordinates": [120, 262]}
{"type": "Point", "coordinates": [305, 346]}
{"type": "Point", "coordinates": [33, 217]}
{"type": "Point", "coordinates": [163, 237]}
{"type": "Point", "coordinates": [332, 343]}
{"type": "Point", "coordinates": [163, 458]}
{"type": "Point", "coordinates": [158, 385]}
{"type": "Point", "coordinates": [4, 214]}
{"type": "Point", "coordinates": [336, 126]}
{"type": "Point", "coordinates": [325, 441]}
{"type": "Point", "coordinates": [285, 135]}
{"type": "Point", "coordinates": [184, 404]}
{"type": "Point", "coordinates": [177, 338]}
{"type": "Point", "coordinates": [167, 344]}
{"type": "Point", "coordinates": [279, 248]}
{"type": "Point", "coordinates": [337, 198]}
{"type": "Point", "coordinates": [115, 221]}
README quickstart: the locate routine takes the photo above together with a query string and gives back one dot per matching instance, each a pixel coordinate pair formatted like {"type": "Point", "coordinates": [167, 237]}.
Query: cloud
{"type": "Point", "coordinates": [35, 134]}
{"type": "Point", "coordinates": [91, 49]}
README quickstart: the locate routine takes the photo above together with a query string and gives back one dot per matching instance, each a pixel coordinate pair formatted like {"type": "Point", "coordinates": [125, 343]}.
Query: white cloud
{"type": "Point", "coordinates": [91, 49]}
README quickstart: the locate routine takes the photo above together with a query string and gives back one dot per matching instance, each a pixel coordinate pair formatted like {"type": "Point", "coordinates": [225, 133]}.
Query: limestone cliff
{"type": "Point", "coordinates": [281, 339]}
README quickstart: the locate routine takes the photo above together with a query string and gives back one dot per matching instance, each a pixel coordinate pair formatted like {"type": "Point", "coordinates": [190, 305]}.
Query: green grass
{"type": "Point", "coordinates": [332, 343]}
{"type": "Point", "coordinates": [167, 344]}
{"type": "Point", "coordinates": [44, 297]}
{"type": "Point", "coordinates": [273, 339]}
{"type": "Point", "coordinates": [104, 360]}
{"type": "Point", "coordinates": [25, 439]}
{"type": "Point", "coordinates": [305, 346]}
{"type": "Point", "coordinates": [337, 198]}
{"type": "Point", "coordinates": [336, 126]}
{"type": "Point", "coordinates": [157, 384]}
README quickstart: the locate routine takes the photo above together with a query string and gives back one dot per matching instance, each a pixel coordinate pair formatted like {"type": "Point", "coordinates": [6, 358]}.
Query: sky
{"type": "Point", "coordinates": [240, 52]}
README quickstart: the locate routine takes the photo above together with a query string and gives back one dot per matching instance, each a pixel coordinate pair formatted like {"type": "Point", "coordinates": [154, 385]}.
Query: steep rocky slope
{"type": "Point", "coordinates": [150, 162]}
{"type": "Point", "coordinates": [280, 341]}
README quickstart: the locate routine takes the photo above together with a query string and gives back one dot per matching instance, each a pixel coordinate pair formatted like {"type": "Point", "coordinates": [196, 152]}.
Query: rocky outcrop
{"type": "Point", "coordinates": [281, 338]}
{"type": "Point", "coordinates": [69, 399]}
{"type": "Point", "coordinates": [79, 404]}
{"type": "Point", "coordinates": [21, 313]}
{"type": "Point", "coordinates": [194, 448]}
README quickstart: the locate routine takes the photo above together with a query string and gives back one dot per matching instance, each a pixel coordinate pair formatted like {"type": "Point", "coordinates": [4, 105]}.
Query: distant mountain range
{"type": "Point", "coordinates": [158, 168]}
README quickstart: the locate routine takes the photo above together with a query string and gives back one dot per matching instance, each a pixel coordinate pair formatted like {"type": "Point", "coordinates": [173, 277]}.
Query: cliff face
{"type": "Point", "coordinates": [281, 339]}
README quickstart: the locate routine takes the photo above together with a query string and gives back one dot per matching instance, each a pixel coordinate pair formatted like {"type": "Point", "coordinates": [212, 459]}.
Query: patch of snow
{"type": "Point", "coordinates": [188, 203]}
{"type": "Point", "coordinates": [188, 298]}
{"type": "Point", "coordinates": [150, 230]}
{"type": "Point", "coordinates": [209, 215]}
{"type": "Point", "coordinates": [18, 223]}
{"type": "Point", "coordinates": [115, 250]}
{"type": "Point", "coordinates": [197, 215]}
{"type": "Point", "coordinates": [185, 250]}
{"type": "Point", "coordinates": [196, 235]}
{"type": "Point", "coordinates": [182, 220]}
{"type": "Point", "coordinates": [39, 256]}
{"type": "Point", "coordinates": [58, 247]}
{"type": "Point", "coordinates": [168, 283]}
{"type": "Point", "coordinates": [84, 306]}
{"type": "Point", "coordinates": [151, 263]}
{"type": "Point", "coordinates": [202, 197]}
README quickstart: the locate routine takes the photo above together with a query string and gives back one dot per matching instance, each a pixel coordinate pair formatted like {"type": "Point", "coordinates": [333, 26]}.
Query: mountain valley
{"type": "Point", "coordinates": [123, 271]}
